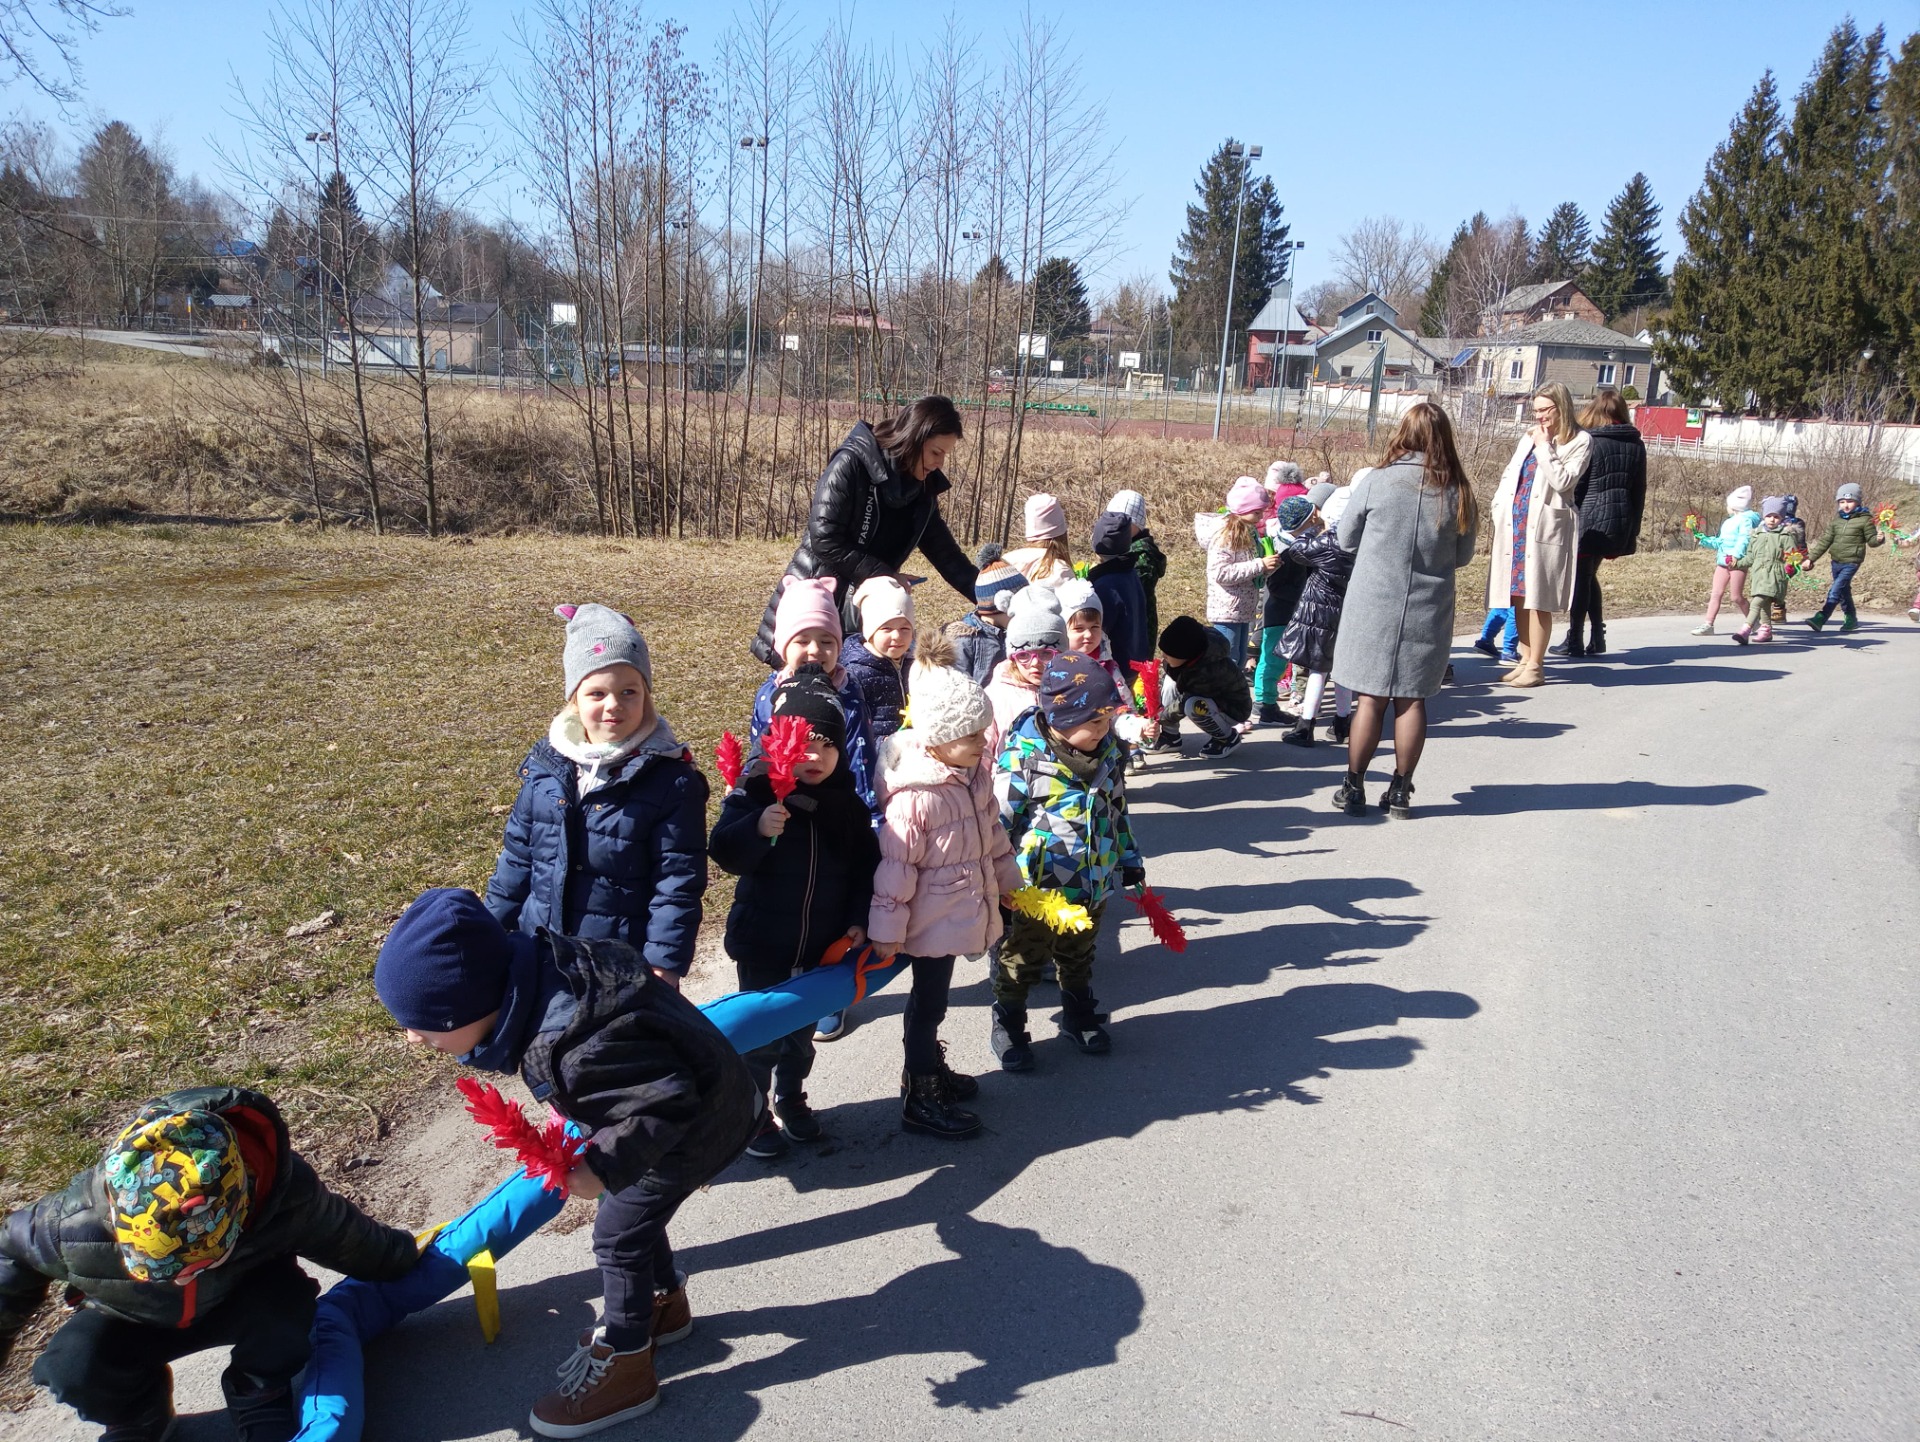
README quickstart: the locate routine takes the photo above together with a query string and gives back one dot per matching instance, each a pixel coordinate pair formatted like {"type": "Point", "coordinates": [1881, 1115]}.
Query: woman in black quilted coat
{"type": "Point", "coordinates": [876, 503]}
{"type": "Point", "coordinates": [1611, 498]}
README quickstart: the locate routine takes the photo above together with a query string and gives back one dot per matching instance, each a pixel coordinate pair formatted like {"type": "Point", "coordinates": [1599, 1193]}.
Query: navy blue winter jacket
{"type": "Point", "coordinates": [1123, 612]}
{"type": "Point", "coordinates": [628, 862]}
{"type": "Point", "coordinates": [884, 684]}
{"type": "Point", "coordinates": [861, 748]}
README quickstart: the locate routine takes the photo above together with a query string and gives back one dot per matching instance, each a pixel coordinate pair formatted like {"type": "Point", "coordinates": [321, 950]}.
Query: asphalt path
{"type": "Point", "coordinates": [1582, 1105]}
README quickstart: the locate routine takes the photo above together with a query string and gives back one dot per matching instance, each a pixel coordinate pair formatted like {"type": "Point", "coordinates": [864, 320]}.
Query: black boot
{"type": "Point", "coordinates": [1300, 733]}
{"type": "Point", "coordinates": [1342, 728]}
{"type": "Point", "coordinates": [1398, 800]}
{"type": "Point", "coordinates": [927, 1110]}
{"type": "Point", "coordinates": [261, 1412]}
{"type": "Point", "coordinates": [1352, 795]}
{"type": "Point", "coordinates": [1080, 1023]}
{"type": "Point", "coordinates": [1597, 640]}
{"type": "Point", "coordinates": [960, 1087]}
{"type": "Point", "coordinates": [796, 1118]}
{"type": "Point", "coordinates": [1010, 1041]}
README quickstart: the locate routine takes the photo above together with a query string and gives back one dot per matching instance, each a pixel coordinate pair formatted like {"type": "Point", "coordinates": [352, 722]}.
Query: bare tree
{"type": "Point", "coordinates": [1389, 257]}
{"type": "Point", "coordinates": [423, 96]}
{"type": "Point", "coordinates": [37, 46]}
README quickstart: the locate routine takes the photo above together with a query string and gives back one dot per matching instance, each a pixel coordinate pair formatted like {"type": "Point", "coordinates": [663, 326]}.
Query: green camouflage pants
{"type": "Point", "coordinates": [1029, 945]}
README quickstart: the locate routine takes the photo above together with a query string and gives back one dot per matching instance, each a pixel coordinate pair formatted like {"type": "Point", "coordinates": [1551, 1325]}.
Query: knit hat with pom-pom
{"type": "Point", "coordinates": [995, 584]}
{"type": "Point", "coordinates": [947, 705]}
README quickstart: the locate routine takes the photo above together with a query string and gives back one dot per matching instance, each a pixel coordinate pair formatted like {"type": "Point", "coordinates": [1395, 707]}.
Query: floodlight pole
{"type": "Point", "coordinates": [1247, 154]}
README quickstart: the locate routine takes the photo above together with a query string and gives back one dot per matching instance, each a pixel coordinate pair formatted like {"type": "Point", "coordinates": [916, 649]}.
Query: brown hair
{"type": "Point", "coordinates": [1426, 431]}
{"type": "Point", "coordinates": [1238, 534]}
{"type": "Point", "coordinates": [1054, 548]}
{"type": "Point", "coordinates": [1605, 408]}
{"type": "Point", "coordinates": [1566, 423]}
{"type": "Point", "coordinates": [903, 435]}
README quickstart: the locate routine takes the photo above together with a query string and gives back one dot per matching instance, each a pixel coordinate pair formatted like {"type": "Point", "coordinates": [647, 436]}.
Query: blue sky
{"type": "Point", "coordinates": [1428, 111]}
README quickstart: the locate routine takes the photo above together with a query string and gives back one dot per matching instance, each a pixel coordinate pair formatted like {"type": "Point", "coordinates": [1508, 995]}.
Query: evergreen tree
{"type": "Point", "coordinates": [1060, 308]}
{"type": "Point", "coordinates": [1625, 274]}
{"type": "Point", "coordinates": [1435, 315]}
{"type": "Point", "coordinates": [1564, 246]}
{"type": "Point", "coordinates": [346, 241]}
{"type": "Point", "coordinates": [1204, 253]}
{"type": "Point", "coordinates": [1725, 337]}
{"type": "Point", "coordinates": [1833, 151]}
{"type": "Point", "coordinates": [1899, 219]}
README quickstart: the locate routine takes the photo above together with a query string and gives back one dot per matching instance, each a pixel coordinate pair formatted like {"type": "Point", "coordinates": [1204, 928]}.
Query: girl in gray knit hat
{"type": "Point", "coordinates": [608, 837]}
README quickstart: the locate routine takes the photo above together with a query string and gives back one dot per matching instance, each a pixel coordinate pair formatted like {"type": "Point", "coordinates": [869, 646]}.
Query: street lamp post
{"type": "Point", "coordinates": [1284, 350]}
{"type": "Point", "coordinates": [318, 138]}
{"type": "Point", "coordinates": [1247, 155]}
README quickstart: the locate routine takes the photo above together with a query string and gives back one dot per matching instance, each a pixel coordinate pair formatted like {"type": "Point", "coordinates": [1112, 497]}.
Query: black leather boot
{"type": "Point", "coordinates": [927, 1110]}
{"type": "Point", "coordinates": [1080, 1023]}
{"type": "Point", "coordinates": [1010, 1041]}
{"type": "Point", "coordinates": [960, 1087]}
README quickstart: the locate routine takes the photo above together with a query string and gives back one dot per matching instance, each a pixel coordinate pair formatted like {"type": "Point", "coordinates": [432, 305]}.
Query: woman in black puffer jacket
{"type": "Point", "coordinates": [875, 503]}
{"type": "Point", "coordinates": [1611, 498]}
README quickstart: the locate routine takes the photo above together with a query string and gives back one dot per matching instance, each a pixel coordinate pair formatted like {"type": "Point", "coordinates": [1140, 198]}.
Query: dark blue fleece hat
{"type": "Point", "coordinates": [445, 962]}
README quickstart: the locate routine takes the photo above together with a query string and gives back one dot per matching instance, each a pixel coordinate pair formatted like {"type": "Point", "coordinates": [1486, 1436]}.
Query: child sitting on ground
{"type": "Point", "coordinates": [608, 1044]}
{"type": "Point", "coordinates": [1035, 632]}
{"type": "Point", "coordinates": [1123, 605]}
{"type": "Point", "coordinates": [1235, 565]}
{"type": "Point", "coordinates": [1061, 777]}
{"type": "Point", "coordinates": [607, 838]}
{"type": "Point", "coordinates": [1149, 561]}
{"type": "Point", "coordinates": [878, 658]}
{"type": "Point", "coordinates": [1846, 538]}
{"type": "Point", "coordinates": [806, 880]}
{"type": "Point", "coordinates": [186, 1236]}
{"type": "Point", "coordinates": [1728, 547]}
{"type": "Point", "coordinates": [945, 863]}
{"type": "Point", "coordinates": [1310, 635]}
{"type": "Point", "coordinates": [1203, 682]}
{"type": "Point", "coordinates": [980, 637]}
{"type": "Point", "coordinates": [1765, 563]}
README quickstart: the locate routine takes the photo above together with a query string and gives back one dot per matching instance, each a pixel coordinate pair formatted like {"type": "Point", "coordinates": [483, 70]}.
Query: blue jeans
{"type": "Point", "coordinates": [1840, 593]}
{"type": "Point", "coordinates": [1501, 619]}
{"type": "Point", "coordinates": [1236, 634]}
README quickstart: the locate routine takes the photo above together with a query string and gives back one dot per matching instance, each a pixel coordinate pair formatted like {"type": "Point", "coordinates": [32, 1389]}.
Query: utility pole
{"type": "Point", "coordinates": [1246, 154]}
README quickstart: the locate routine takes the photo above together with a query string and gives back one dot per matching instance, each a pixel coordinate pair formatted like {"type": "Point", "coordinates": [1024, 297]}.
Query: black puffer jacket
{"type": "Point", "coordinates": [1308, 639]}
{"type": "Point", "coordinates": [68, 1237]}
{"type": "Point", "coordinates": [796, 896]}
{"type": "Point", "coordinates": [667, 1099]}
{"type": "Point", "coordinates": [867, 518]}
{"type": "Point", "coordinates": [1215, 675]}
{"type": "Point", "coordinates": [1612, 495]}
{"type": "Point", "coordinates": [1284, 585]}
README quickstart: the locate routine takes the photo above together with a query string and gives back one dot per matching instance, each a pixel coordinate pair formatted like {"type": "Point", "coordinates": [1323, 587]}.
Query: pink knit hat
{"type": "Point", "coordinates": [1247, 498]}
{"type": "Point", "coordinates": [1045, 517]}
{"type": "Point", "coordinates": [804, 606]}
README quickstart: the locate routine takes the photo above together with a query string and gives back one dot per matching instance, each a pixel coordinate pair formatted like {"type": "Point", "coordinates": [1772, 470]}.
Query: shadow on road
{"type": "Point", "coordinates": [1499, 800]}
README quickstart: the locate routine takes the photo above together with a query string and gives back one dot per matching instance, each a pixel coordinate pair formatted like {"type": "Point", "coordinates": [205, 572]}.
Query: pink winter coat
{"type": "Point", "coordinates": [945, 860]}
{"type": "Point", "coordinates": [1010, 695]}
{"type": "Point", "coordinates": [1233, 584]}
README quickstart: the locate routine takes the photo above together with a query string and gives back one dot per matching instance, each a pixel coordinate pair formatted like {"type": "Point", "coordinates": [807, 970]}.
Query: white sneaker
{"type": "Point", "coordinates": [1705, 630]}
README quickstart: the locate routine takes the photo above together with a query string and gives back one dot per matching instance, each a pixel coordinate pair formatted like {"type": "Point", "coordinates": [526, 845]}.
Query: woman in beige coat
{"type": "Point", "coordinates": [1536, 528]}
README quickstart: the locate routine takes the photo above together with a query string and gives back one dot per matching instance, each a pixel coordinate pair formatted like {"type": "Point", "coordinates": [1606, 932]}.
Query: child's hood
{"type": "Point", "coordinates": [906, 764]}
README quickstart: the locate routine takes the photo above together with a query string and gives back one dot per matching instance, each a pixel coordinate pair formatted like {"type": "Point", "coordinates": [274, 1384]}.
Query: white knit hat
{"type": "Point", "coordinates": [1132, 505]}
{"type": "Point", "coordinates": [947, 705]}
{"type": "Point", "coordinates": [1739, 499]}
{"type": "Point", "coordinates": [1045, 517]}
{"type": "Point", "coordinates": [1078, 595]}
{"type": "Point", "coordinates": [880, 600]}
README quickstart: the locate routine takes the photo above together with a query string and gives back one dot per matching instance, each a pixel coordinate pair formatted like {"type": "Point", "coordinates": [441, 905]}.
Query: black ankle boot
{"type": "Point", "coordinates": [1352, 795]}
{"type": "Point", "coordinates": [1300, 733]}
{"type": "Point", "coordinates": [1398, 801]}
{"type": "Point", "coordinates": [1010, 1041]}
{"type": "Point", "coordinates": [1341, 729]}
{"type": "Point", "coordinates": [927, 1110]}
{"type": "Point", "coordinates": [1080, 1023]}
{"type": "Point", "coordinates": [1597, 640]}
{"type": "Point", "coordinates": [960, 1087]}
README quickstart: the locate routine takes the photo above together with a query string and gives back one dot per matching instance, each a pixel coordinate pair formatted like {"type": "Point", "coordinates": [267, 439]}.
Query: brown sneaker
{"type": "Point", "coordinates": [672, 1317]}
{"type": "Point", "coordinates": [599, 1388]}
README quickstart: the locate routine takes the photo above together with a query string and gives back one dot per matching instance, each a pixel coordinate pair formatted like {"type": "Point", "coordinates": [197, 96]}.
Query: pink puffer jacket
{"type": "Point", "coordinates": [945, 860]}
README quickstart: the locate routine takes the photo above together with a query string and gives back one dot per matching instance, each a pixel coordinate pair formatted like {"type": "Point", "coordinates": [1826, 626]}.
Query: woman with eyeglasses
{"type": "Point", "coordinates": [1536, 527]}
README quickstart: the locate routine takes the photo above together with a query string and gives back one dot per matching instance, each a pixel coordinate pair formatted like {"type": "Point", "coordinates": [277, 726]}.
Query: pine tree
{"type": "Point", "coordinates": [1435, 315]}
{"type": "Point", "coordinates": [1833, 150]}
{"type": "Point", "coordinates": [1625, 273]}
{"type": "Point", "coordinates": [346, 242]}
{"type": "Point", "coordinates": [1724, 339]}
{"type": "Point", "coordinates": [1899, 220]}
{"type": "Point", "coordinates": [1564, 246]}
{"type": "Point", "coordinates": [1060, 308]}
{"type": "Point", "coordinates": [1203, 254]}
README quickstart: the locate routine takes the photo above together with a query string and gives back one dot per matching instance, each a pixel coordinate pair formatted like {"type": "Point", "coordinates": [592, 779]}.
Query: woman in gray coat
{"type": "Point", "coordinates": [1412, 523]}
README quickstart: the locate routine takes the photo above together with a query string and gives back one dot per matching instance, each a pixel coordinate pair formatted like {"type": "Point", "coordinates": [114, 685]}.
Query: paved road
{"type": "Point", "coordinates": [1582, 1106]}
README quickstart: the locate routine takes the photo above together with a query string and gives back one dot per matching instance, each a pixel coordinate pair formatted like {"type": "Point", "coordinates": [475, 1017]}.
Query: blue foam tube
{"type": "Point", "coordinates": [333, 1394]}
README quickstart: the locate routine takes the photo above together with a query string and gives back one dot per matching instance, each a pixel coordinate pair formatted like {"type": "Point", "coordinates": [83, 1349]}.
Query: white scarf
{"type": "Point", "coordinates": [595, 761]}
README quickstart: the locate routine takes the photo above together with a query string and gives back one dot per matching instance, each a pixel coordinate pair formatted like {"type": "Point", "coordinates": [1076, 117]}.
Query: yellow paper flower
{"type": "Point", "coordinates": [1050, 907]}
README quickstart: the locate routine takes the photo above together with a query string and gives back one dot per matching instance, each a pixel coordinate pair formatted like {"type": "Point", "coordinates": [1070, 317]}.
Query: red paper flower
{"type": "Point", "coordinates": [1166, 929]}
{"type": "Point", "coordinates": [1149, 687]}
{"type": "Point", "coordinates": [727, 753]}
{"type": "Point", "coordinates": [785, 746]}
{"type": "Point", "coordinates": [547, 1153]}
